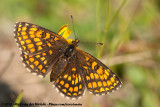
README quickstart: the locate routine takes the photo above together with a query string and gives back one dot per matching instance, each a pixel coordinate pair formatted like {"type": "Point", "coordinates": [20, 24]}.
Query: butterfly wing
{"type": "Point", "coordinates": [40, 63]}
{"type": "Point", "coordinates": [33, 39]}
{"type": "Point", "coordinates": [98, 77]}
{"type": "Point", "coordinates": [40, 47]}
{"type": "Point", "coordinates": [69, 82]}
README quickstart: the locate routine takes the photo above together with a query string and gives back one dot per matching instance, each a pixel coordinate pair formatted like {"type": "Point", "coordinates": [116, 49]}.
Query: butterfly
{"type": "Point", "coordinates": [72, 70]}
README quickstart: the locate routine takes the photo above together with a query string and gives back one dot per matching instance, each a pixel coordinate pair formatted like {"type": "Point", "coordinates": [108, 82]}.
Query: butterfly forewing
{"type": "Point", "coordinates": [33, 39]}
{"type": "Point", "coordinates": [99, 79]}
{"type": "Point", "coordinates": [42, 62]}
{"type": "Point", "coordinates": [40, 47]}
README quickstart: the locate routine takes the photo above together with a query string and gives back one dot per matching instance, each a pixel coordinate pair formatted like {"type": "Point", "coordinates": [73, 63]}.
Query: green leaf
{"type": "Point", "coordinates": [18, 99]}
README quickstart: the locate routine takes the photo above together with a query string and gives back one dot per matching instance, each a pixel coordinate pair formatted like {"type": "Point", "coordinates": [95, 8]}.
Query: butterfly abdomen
{"type": "Point", "coordinates": [58, 68]}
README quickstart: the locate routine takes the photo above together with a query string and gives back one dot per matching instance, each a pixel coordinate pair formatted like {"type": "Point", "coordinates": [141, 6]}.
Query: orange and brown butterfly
{"type": "Point", "coordinates": [72, 70]}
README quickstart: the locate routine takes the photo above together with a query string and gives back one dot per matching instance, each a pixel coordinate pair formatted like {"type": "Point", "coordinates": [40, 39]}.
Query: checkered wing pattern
{"type": "Point", "coordinates": [99, 79]}
{"type": "Point", "coordinates": [40, 47]}
{"type": "Point", "coordinates": [71, 68]}
{"type": "Point", "coordinates": [69, 80]}
{"type": "Point", "coordinates": [40, 63]}
{"type": "Point", "coordinates": [33, 39]}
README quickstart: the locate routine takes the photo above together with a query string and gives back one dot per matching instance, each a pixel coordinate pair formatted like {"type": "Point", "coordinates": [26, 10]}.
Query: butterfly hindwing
{"type": "Point", "coordinates": [99, 79]}
{"type": "Point", "coordinates": [33, 39]}
{"type": "Point", "coordinates": [70, 82]}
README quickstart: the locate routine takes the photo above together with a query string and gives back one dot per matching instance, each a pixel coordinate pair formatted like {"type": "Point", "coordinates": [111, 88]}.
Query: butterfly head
{"type": "Point", "coordinates": [73, 42]}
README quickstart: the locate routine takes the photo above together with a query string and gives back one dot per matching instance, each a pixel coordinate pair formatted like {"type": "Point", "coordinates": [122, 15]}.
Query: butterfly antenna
{"type": "Point", "coordinates": [73, 28]}
{"type": "Point", "coordinates": [93, 43]}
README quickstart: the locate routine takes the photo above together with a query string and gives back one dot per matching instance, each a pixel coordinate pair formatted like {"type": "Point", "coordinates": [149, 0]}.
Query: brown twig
{"type": "Point", "coordinates": [140, 56]}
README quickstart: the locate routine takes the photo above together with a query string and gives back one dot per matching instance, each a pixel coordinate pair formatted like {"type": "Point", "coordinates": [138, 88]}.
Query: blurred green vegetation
{"type": "Point", "coordinates": [126, 28]}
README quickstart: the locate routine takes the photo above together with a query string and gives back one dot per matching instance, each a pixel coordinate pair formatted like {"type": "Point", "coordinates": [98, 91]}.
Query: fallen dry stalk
{"type": "Point", "coordinates": [133, 57]}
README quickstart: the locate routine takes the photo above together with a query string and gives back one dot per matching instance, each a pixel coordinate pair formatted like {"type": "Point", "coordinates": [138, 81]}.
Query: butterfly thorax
{"type": "Point", "coordinates": [71, 47]}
